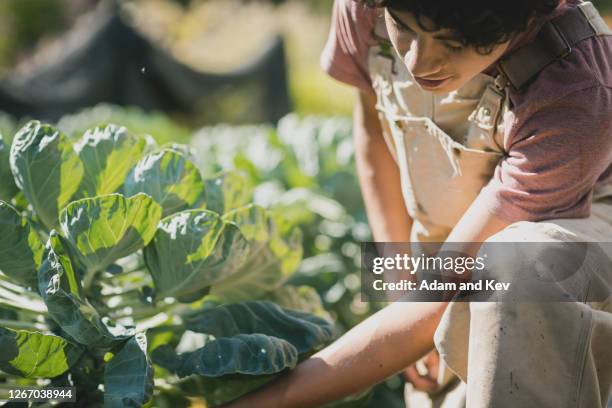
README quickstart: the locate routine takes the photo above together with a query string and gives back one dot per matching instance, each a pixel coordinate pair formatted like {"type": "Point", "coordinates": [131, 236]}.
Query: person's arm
{"type": "Point", "coordinates": [375, 349]}
{"type": "Point", "coordinates": [380, 183]}
{"type": "Point", "coordinates": [378, 175]}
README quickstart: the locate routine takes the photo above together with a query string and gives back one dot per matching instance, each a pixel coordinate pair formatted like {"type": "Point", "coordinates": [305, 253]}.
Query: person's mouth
{"type": "Point", "coordinates": [431, 83]}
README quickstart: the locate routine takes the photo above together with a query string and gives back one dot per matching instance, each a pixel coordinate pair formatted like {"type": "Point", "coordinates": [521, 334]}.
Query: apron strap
{"type": "Point", "coordinates": [553, 42]}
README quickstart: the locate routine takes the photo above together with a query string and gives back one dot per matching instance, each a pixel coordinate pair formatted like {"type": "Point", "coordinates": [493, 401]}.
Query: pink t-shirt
{"type": "Point", "coordinates": [558, 133]}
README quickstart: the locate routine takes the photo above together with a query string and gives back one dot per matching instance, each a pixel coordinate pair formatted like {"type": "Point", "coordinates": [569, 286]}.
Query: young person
{"type": "Point", "coordinates": [477, 121]}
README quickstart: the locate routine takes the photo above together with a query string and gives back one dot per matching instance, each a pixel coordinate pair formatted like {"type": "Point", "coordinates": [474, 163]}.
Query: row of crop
{"type": "Point", "coordinates": [128, 275]}
{"type": "Point", "coordinates": [302, 169]}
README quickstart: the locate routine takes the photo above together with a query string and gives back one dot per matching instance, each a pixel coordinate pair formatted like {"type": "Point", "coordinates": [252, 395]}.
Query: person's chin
{"type": "Point", "coordinates": [443, 90]}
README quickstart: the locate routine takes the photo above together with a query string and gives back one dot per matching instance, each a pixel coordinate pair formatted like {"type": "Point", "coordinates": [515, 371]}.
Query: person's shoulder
{"type": "Point", "coordinates": [585, 73]}
{"type": "Point", "coordinates": [345, 55]}
{"type": "Point", "coordinates": [356, 11]}
{"type": "Point", "coordinates": [356, 19]}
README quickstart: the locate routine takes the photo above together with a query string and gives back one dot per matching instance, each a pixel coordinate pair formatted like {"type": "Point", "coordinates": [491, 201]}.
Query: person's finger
{"type": "Point", "coordinates": [420, 382]}
{"type": "Point", "coordinates": [432, 362]}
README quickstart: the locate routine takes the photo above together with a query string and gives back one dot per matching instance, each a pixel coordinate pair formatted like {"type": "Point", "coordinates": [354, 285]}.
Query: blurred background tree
{"type": "Point", "coordinates": [208, 35]}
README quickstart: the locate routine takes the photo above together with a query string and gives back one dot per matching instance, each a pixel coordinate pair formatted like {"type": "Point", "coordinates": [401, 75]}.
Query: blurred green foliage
{"type": "Point", "coordinates": [24, 22]}
{"type": "Point", "coordinates": [164, 129]}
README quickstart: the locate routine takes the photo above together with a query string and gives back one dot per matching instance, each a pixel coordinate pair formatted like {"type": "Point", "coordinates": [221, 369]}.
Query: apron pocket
{"type": "Point", "coordinates": [446, 176]}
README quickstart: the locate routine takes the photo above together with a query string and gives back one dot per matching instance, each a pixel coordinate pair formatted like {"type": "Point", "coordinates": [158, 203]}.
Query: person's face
{"type": "Point", "coordinates": [437, 60]}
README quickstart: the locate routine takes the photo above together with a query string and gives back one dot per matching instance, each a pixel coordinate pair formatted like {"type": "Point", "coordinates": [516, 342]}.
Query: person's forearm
{"type": "Point", "coordinates": [379, 176]}
{"type": "Point", "coordinates": [377, 348]}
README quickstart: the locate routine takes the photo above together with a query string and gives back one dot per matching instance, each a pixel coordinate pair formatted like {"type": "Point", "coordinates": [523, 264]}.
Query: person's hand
{"type": "Point", "coordinates": [427, 381]}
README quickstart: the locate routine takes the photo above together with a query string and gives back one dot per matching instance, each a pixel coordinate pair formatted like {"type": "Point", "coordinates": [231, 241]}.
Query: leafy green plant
{"type": "Point", "coordinates": [305, 169]}
{"type": "Point", "coordinates": [129, 275]}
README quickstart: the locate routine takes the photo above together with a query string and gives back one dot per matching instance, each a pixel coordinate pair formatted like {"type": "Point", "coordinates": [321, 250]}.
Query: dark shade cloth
{"type": "Point", "coordinates": [115, 64]}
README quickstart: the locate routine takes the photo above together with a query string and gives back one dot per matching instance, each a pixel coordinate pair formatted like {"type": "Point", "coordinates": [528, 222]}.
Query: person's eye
{"type": "Point", "coordinates": [453, 47]}
{"type": "Point", "coordinates": [401, 27]}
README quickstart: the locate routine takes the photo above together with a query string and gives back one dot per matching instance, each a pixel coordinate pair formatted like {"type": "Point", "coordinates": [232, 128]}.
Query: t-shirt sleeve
{"type": "Point", "coordinates": [345, 56]}
{"type": "Point", "coordinates": [555, 156]}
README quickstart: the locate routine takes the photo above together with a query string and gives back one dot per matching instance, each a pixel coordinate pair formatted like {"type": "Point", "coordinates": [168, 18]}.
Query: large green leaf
{"type": "Point", "coordinates": [106, 228]}
{"type": "Point", "coordinates": [226, 191]}
{"type": "Point", "coordinates": [192, 250]}
{"type": "Point", "coordinates": [60, 288]}
{"type": "Point", "coordinates": [304, 331]}
{"type": "Point", "coordinates": [128, 376]}
{"type": "Point", "coordinates": [169, 177]}
{"type": "Point", "coordinates": [35, 355]}
{"type": "Point", "coordinates": [252, 354]}
{"type": "Point", "coordinates": [108, 154]}
{"type": "Point", "coordinates": [46, 168]}
{"type": "Point", "coordinates": [7, 184]}
{"type": "Point", "coordinates": [275, 251]}
{"type": "Point", "coordinates": [21, 250]}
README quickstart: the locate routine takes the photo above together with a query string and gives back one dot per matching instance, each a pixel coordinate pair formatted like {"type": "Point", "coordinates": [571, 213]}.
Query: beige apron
{"type": "Point", "coordinates": [460, 132]}
{"type": "Point", "coordinates": [446, 147]}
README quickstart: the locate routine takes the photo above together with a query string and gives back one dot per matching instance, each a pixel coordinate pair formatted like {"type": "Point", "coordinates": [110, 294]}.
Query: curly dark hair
{"type": "Point", "coordinates": [478, 23]}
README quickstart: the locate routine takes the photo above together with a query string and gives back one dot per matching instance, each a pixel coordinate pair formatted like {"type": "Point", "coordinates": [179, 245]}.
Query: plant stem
{"type": "Point", "coordinates": [12, 287]}
{"type": "Point", "coordinates": [12, 324]}
{"type": "Point", "coordinates": [148, 312]}
{"type": "Point", "coordinates": [19, 308]}
{"type": "Point", "coordinates": [88, 280]}
{"type": "Point", "coordinates": [127, 291]}
{"type": "Point", "coordinates": [23, 301]}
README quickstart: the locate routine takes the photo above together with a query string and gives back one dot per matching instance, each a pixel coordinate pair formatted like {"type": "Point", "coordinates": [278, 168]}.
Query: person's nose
{"type": "Point", "coordinates": [422, 60]}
